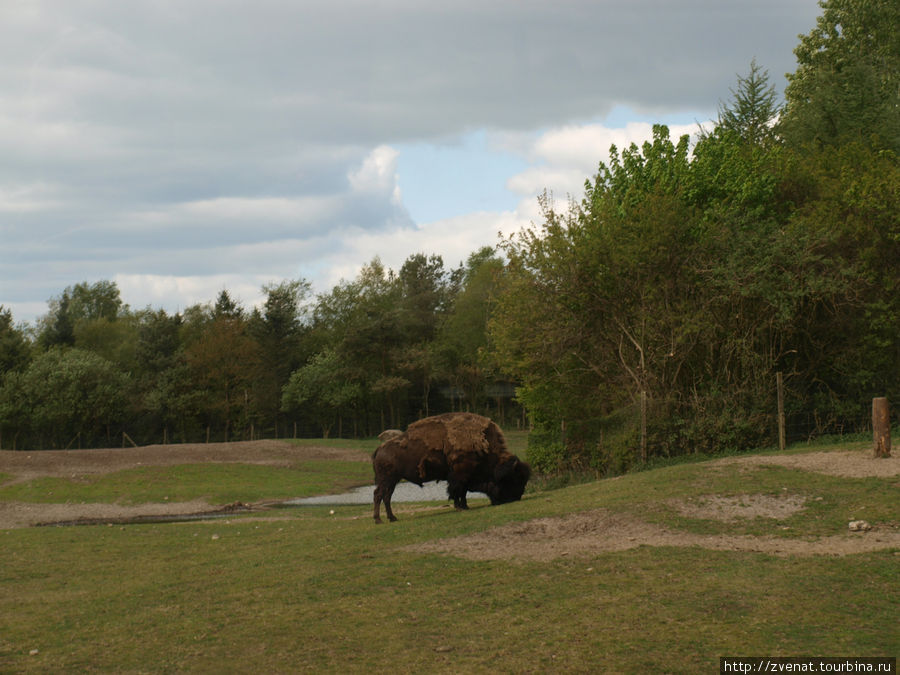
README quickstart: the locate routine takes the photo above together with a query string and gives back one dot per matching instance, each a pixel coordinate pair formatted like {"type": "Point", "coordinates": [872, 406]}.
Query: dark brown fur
{"type": "Point", "coordinates": [467, 450]}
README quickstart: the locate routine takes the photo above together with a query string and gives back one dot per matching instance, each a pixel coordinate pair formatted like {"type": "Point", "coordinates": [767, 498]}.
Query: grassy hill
{"type": "Point", "coordinates": [659, 571]}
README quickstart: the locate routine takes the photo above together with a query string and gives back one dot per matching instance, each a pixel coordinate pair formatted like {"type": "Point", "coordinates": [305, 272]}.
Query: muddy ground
{"type": "Point", "coordinates": [578, 534]}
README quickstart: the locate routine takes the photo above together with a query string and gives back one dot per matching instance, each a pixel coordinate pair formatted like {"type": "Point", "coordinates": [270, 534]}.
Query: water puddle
{"type": "Point", "coordinates": [404, 492]}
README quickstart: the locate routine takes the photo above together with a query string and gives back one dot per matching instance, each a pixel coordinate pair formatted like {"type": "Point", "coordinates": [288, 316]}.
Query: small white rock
{"type": "Point", "coordinates": [859, 526]}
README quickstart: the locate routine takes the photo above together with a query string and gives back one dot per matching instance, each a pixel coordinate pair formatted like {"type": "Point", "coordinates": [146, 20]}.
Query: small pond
{"type": "Point", "coordinates": [404, 492]}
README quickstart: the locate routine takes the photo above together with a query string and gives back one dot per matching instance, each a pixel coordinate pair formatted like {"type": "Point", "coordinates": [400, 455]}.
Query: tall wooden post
{"type": "Point", "coordinates": [643, 425]}
{"type": "Point", "coordinates": [881, 426]}
{"type": "Point", "coordinates": [782, 440]}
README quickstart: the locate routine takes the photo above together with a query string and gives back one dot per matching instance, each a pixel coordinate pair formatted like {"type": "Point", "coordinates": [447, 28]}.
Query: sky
{"type": "Point", "coordinates": [183, 147]}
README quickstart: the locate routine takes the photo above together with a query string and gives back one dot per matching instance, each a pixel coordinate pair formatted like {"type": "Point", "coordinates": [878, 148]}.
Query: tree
{"type": "Point", "coordinates": [606, 315]}
{"type": "Point", "coordinates": [226, 307]}
{"type": "Point", "coordinates": [100, 300]}
{"type": "Point", "coordinates": [223, 363]}
{"type": "Point", "coordinates": [320, 388]}
{"type": "Point", "coordinates": [15, 410]}
{"type": "Point", "coordinates": [79, 304]}
{"type": "Point", "coordinates": [113, 339]}
{"type": "Point", "coordinates": [15, 350]}
{"type": "Point", "coordinates": [56, 328]}
{"type": "Point", "coordinates": [462, 340]}
{"type": "Point", "coordinates": [158, 342]}
{"type": "Point", "coordinates": [175, 401]}
{"type": "Point", "coordinates": [362, 321]}
{"type": "Point", "coordinates": [279, 329]}
{"type": "Point", "coordinates": [69, 395]}
{"type": "Point", "coordinates": [847, 82]}
{"type": "Point", "coordinates": [845, 282]}
{"type": "Point", "coordinates": [422, 285]}
{"type": "Point", "coordinates": [753, 108]}
{"type": "Point", "coordinates": [423, 291]}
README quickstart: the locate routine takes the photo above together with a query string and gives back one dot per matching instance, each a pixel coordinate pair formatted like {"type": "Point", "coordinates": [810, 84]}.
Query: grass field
{"type": "Point", "coordinates": [323, 589]}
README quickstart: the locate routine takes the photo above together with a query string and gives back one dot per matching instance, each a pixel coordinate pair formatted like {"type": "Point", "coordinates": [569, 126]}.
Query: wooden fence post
{"type": "Point", "coordinates": [782, 437]}
{"type": "Point", "coordinates": [881, 426]}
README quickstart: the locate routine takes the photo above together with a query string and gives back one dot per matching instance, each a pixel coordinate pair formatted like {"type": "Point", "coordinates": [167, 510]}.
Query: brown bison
{"type": "Point", "coordinates": [466, 450]}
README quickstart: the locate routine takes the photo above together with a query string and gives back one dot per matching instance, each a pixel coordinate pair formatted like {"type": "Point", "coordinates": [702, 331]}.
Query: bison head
{"type": "Point", "coordinates": [510, 478]}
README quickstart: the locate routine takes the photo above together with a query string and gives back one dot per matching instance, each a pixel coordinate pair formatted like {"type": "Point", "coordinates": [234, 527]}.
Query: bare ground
{"type": "Point", "coordinates": [542, 539]}
{"type": "Point", "coordinates": [600, 531]}
{"type": "Point", "coordinates": [846, 464]}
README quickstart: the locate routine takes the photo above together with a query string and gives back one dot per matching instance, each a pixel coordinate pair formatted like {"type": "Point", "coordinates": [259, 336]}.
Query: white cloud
{"type": "Point", "coordinates": [378, 173]}
{"type": "Point", "coordinates": [454, 239]}
{"type": "Point", "coordinates": [176, 293]}
{"type": "Point", "coordinates": [22, 198]}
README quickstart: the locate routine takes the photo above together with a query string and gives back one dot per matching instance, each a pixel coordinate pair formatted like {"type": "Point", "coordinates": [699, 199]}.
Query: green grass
{"type": "Point", "coordinates": [217, 483]}
{"type": "Point", "coordinates": [313, 591]}
{"type": "Point", "coordinates": [366, 446]}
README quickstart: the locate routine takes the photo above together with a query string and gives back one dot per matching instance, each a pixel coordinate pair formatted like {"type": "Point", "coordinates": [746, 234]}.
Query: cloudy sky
{"type": "Point", "coordinates": [183, 147]}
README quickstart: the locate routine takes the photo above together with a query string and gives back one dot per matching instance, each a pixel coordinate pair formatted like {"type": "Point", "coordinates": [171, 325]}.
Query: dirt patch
{"type": "Point", "coordinates": [75, 464]}
{"type": "Point", "coordinates": [845, 464]}
{"type": "Point", "coordinates": [599, 531]}
{"type": "Point", "coordinates": [729, 509]}
{"type": "Point", "coordinates": [26, 466]}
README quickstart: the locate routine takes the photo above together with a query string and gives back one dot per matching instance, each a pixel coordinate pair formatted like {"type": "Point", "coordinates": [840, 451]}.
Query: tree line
{"type": "Point", "coordinates": [648, 319]}
{"type": "Point", "coordinates": [375, 352]}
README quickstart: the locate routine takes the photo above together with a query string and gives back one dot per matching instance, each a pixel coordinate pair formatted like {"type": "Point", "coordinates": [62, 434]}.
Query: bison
{"type": "Point", "coordinates": [466, 450]}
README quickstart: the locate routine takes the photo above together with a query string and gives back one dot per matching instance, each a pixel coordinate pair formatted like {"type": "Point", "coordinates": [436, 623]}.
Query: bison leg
{"type": "Point", "coordinates": [383, 493]}
{"type": "Point", "coordinates": [377, 513]}
{"type": "Point", "coordinates": [457, 493]}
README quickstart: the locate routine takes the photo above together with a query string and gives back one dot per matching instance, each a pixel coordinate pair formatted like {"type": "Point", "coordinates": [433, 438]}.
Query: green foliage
{"type": "Point", "coordinates": [321, 388]}
{"type": "Point", "coordinates": [753, 109]}
{"type": "Point", "coordinates": [547, 457]}
{"type": "Point", "coordinates": [847, 84]}
{"type": "Point", "coordinates": [15, 350]}
{"type": "Point", "coordinates": [280, 329]}
{"type": "Point", "coordinates": [65, 393]}
{"type": "Point", "coordinates": [79, 304]}
{"type": "Point", "coordinates": [222, 363]}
